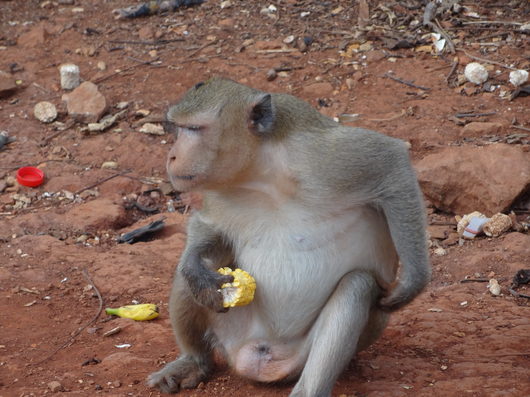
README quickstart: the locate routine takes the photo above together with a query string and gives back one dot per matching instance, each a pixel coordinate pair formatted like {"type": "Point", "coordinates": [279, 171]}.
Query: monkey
{"type": "Point", "coordinates": [328, 219]}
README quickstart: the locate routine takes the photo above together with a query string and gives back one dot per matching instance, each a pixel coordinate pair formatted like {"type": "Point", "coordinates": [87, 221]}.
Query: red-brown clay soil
{"type": "Point", "coordinates": [456, 339]}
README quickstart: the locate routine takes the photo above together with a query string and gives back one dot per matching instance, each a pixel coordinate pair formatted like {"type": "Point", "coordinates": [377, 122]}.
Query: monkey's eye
{"type": "Point", "coordinates": [192, 129]}
{"type": "Point", "coordinates": [169, 127]}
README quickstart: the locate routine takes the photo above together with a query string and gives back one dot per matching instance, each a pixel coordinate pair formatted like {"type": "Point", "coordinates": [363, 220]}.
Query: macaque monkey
{"type": "Point", "coordinates": [319, 213]}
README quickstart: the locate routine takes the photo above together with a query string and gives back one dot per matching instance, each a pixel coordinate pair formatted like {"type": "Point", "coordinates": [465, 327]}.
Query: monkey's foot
{"type": "Point", "coordinates": [183, 373]}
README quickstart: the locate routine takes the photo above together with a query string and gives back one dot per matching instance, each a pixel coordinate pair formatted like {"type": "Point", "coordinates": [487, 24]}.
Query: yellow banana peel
{"type": "Point", "coordinates": [142, 312]}
{"type": "Point", "coordinates": [240, 292]}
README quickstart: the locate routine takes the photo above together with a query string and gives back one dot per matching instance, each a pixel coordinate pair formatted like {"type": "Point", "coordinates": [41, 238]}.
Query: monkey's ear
{"type": "Point", "coordinates": [262, 115]}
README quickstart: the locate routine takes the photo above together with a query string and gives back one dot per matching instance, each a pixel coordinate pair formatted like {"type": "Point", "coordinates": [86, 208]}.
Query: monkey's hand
{"type": "Point", "coordinates": [205, 286]}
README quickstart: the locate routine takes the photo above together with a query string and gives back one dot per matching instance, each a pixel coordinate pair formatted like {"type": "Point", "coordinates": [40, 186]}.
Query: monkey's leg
{"type": "Point", "coordinates": [190, 326]}
{"type": "Point", "coordinates": [335, 335]}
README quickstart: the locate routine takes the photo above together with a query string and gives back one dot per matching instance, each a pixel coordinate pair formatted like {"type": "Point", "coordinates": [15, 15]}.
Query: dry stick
{"type": "Point", "coordinates": [137, 42]}
{"type": "Point", "coordinates": [453, 69]}
{"type": "Point", "coordinates": [492, 23]}
{"type": "Point", "coordinates": [475, 280]}
{"type": "Point", "coordinates": [462, 115]}
{"type": "Point", "coordinates": [438, 28]}
{"type": "Point", "coordinates": [486, 60]}
{"type": "Point", "coordinates": [519, 127]}
{"type": "Point", "coordinates": [202, 47]}
{"type": "Point", "coordinates": [517, 294]}
{"type": "Point", "coordinates": [408, 83]}
{"type": "Point", "coordinates": [71, 339]}
{"type": "Point", "coordinates": [102, 181]}
{"type": "Point", "coordinates": [428, 17]}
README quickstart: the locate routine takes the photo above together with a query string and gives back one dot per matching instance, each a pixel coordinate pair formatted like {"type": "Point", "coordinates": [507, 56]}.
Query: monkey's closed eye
{"type": "Point", "coordinates": [191, 128]}
{"type": "Point", "coordinates": [169, 127]}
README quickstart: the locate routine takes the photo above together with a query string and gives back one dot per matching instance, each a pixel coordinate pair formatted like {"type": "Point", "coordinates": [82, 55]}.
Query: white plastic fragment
{"type": "Point", "coordinates": [476, 73]}
{"type": "Point", "coordinates": [463, 221]}
{"type": "Point", "coordinates": [518, 77]}
{"type": "Point", "coordinates": [69, 76]}
{"type": "Point", "coordinates": [474, 227]}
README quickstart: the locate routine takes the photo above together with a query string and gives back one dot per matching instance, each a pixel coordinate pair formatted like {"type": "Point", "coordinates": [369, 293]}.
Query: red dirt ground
{"type": "Point", "coordinates": [456, 339]}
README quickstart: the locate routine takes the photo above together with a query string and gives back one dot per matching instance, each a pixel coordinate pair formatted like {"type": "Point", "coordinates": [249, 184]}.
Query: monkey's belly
{"type": "Point", "coordinates": [297, 267]}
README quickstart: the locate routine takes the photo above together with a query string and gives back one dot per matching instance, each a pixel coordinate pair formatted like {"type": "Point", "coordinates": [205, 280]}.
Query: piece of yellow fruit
{"type": "Point", "coordinates": [240, 292]}
{"type": "Point", "coordinates": [142, 312]}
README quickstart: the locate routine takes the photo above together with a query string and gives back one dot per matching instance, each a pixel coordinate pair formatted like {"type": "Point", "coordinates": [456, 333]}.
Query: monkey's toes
{"type": "Point", "coordinates": [182, 373]}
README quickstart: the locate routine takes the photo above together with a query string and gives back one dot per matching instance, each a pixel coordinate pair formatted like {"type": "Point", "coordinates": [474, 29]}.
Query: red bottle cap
{"type": "Point", "coordinates": [30, 176]}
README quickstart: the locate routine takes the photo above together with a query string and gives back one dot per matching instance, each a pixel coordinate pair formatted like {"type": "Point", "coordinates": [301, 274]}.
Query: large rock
{"type": "Point", "coordinates": [465, 179]}
{"type": "Point", "coordinates": [86, 103]}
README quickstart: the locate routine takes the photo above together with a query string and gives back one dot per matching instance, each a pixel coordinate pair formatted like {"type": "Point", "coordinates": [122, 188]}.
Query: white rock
{"type": "Point", "coordinates": [45, 112]}
{"type": "Point", "coordinates": [69, 76]}
{"type": "Point", "coordinates": [440, 251]}
{"type": "Point", "coordinates": [153, 129]}
{"type": "Point", "coordinates": [494, 287]}
{"type": "Point", "coordinates": [476, 73]}
{"type": "Point", "coordinates": [110, 165]}
{"type": "Point", "coordinates": [518, 77]}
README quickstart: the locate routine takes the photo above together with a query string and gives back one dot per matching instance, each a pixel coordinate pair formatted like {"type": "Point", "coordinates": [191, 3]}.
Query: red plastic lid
{"type": "Point", "coordinates": [30, 176]}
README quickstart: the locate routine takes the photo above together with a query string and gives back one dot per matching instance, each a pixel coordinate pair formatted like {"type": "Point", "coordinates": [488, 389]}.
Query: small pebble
{"type": "Point", "coordinates": [518, 77]}
{"type": "Point", "coordinates": [153, 129]}
{"type": "Point", "coordinates": [271, 74]}
{"type": "Point", "coordinates": [476, 73]}
{"type": "Point", "coordinates": [55, 386]}
{"type": "Point", "coordinates": [45, 112]}
{"type": "Point", "coordinates": [494, 287]}
{"type": "Point", "coordinates": [111, 165]}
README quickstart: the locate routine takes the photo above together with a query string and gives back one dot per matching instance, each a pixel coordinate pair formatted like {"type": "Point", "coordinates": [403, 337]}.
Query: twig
{"type": "Point", "coordinates": [492, 23]}
{"type": "Point", "coordinates": [278, 51]}
{"type": "Point", "coordinates": [475, 280]}
{"type": "Point", "coordinates": [463, 115]}
{"type": "Point", "coordinates": [453, 69]}
{"type": "Point", "coordinates": [520, 127]}
{"type": "Point", "coordinates": [438, 28]}
{"type": "Point", "coordinates": [202, 47]}
{"type": "Point", "coordinates": [486, 60]}
{"type": "Point", "coordinates": [407, 83]}
{"type": "Point", "coordinates": [71, 339]}
{"type": "Point", "coordinates": [517, 294]}
{"type": "Point", "coordinates": [428, 18]}
{"type": "Point", "coordinates": [139, 42]}
{"type": "Point", "coordinates": [102, 181]}
{"type": "Point", "coordinates": [47, 140]}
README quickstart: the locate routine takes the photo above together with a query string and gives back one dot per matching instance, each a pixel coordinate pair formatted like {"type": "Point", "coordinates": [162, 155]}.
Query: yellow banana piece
{"type": "Point", "coordinates": [142, 312]}
{"type": "Point", "coordinates": [240, 292]}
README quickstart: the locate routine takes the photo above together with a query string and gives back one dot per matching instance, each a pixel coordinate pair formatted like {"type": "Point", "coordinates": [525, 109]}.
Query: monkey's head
{"type": "Point", "coordinates": [218, 126]}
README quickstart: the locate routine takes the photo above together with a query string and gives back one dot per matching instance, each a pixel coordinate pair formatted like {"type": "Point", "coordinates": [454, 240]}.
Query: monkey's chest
{"type": "Point", "coordinates": [298, 255]}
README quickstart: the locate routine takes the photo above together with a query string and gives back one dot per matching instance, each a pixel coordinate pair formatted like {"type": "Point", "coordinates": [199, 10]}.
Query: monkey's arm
{"type": "Point", "coordinates": [375, 169]}
{"type": "Point", "coordinates": [402, 204]}
{"type": "Point", "coordinates": [204, 243]}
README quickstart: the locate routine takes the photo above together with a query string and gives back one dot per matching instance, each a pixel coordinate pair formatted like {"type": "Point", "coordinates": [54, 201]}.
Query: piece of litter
{"type": "Point", "coordinates": [123, 346]}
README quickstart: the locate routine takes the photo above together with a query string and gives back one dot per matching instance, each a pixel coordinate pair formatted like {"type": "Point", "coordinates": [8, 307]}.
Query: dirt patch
{"type": "Point", "coordinates": [375, 70]}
